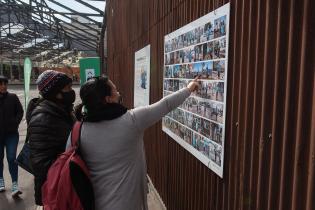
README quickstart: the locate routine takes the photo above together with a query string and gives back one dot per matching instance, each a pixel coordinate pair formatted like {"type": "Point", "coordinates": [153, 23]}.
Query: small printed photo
{"type": "Point", "coordinates": [197, 69]}
{"type": "Point", "coordinates": [196, 125]}
{"type": "Point", "coordinates": [168, 72]}
{"type": "Point", "coordinates": [182, 71]}
{"type": "Point", "coordinates": [170, 85]}
{"type": "Point", "coordinates": [167, 59]}
{"type": "Point", "coordinates": [168, 46]}
{"type": "Point", "coordinates": [166, 84]}
{"type": "Point", "coordinates": [212, 147]}
{"type": "Point", "coordinates": [200, 145]}
{"type": "Point", "coordinates": [165, 122]}
{"type": "Point", "coordinates": [220, 91]}
{"type": "Point", "coordinates": [189, 119]}
{"type": "Point", "coordinates": [205, 128]}
{"type": "Point", "coordinates": [206, 148]}
{"type": "Point", "coordinates": [195, 140]}
{"type": "Point", "coordinates": [218, 70]}
{"type": "Point", "coordinates": [208, 51]}
{"type": "Point", "coordinates": [204, 108]}
{"type": "Point", "coordinates": [181, 41]}
{"type": "Point", "coordinates": [220, 27]}
{"type": "Point", "coordinates": [182, 131]}
{"type": "Point", "coordinates": [206, 70]}
{"type": "Point", "coordinates": [176, 71]}
{"type": "Point", "coordinates": [199, 53]}
{"type": "Point", "coordinates": [188, 134]}
{"type": "Point", "coordinates": [189, 74]}
{"type": "Point", "coordinates": [176, 85]}
{"type": "Point", "coordinates": [198, 32]}
{"type": "Point", "coordinates": [190, 104]}
{"type": "Point", "coordinates": [217, 155]}
{"type": "Point", "coordinates": [222, 47]}
{"type": "Point", "coordinates": [191, 37]}
{"type": "Point", "coordinates": [172, 58]}
{"type": "Point", "coordinates": [173, 45]}
{"type": "Point", "coordinates": [182, 84]}
{"type": "Point", "coordinates": [216, 133]}
{"type": "Point", "coordinates": [216, 111]}
{"type": "Point", "coordinates": [175, 128]}
{"type": "Point", "coordinates": [202, 92]}
{"type": "Point", "coordinates": [177, 58]}
{"type": "Point", "coordinates": [216, 50]}
{"type": "Point", "coordinates": [209, 31]}
{"type": "Point", "coordinates": [189, 55]}
{"type": "Point", "coordinates": [185, 39]}
{"type": "Point", "coordinates": [179, 115]}
{"type": "Point", "coordinates": [181, 56]}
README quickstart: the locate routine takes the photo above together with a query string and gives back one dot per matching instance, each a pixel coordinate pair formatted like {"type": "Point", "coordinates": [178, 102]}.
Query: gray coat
{"type": "Point", "coordinates": [114, 153]}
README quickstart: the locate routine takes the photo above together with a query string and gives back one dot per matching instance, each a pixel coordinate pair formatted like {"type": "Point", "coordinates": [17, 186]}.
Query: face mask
{"type": "Point", "coordinates": [68, 98]}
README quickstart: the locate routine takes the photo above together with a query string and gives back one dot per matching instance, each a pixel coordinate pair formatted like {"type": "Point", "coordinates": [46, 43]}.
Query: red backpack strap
{"type": "Point", "coordinates": [76, 133]}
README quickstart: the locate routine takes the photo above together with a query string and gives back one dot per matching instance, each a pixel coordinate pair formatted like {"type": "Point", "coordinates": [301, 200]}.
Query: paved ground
{"type": "Point", "coordinates": [26, 200]}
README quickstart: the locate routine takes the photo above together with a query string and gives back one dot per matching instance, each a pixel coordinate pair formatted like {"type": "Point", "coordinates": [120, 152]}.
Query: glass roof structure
{"type": "Point", "coordinates": [47, 30]}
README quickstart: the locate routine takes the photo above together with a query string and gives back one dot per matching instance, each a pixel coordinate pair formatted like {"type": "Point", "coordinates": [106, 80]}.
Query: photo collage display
{"type": "Point", "coordinates": [199, 121]}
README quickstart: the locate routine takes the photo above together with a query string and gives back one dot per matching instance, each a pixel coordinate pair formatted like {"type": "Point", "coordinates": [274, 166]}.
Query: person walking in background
{"type": "Point", "coordinates": [112, 143]}
{"type": "Point", "coordinates": [50, 120]}
{"type": "Point", "coordinates": [11, 114]}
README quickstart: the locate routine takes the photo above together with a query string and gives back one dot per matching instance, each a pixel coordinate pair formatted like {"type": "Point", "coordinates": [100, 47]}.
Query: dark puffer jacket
{"type": "Point", "coordinates": [48, 130]}
{"type": "Point", "coordinates": [11, 114]}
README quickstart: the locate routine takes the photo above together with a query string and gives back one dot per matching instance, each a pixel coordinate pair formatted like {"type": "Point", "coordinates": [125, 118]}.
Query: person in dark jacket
{"type": "Point", "coordinates": [11, 114]}
{"type": "Point", "coordinates": [50, 120]}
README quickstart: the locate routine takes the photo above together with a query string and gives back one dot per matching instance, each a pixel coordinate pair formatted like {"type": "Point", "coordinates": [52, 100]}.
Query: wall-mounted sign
{"type": "Point", "coordinates": [142, 77]}
{"type": "Point", "coordinates": [89, 67]}
{"type": "Point", "coordinates": [199, 48]}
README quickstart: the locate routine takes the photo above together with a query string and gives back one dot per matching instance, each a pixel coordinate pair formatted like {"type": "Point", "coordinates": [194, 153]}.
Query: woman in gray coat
{"type": "Point", "coordinates": [112, 143]}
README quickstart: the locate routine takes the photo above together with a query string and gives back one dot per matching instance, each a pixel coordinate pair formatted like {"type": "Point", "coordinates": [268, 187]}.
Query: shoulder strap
{"type": "Point", "coordinates": [76, 133]}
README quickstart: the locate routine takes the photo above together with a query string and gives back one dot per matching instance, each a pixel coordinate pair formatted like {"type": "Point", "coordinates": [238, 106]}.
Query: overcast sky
{"type": "Point", "coordinates": [76, 6]}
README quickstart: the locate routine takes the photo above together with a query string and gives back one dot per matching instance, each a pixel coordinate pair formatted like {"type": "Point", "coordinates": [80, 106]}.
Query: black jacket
{"type": "Point", "coordinates": [49, 126]}
{"type": "Point", "coordinates": [11, 114]}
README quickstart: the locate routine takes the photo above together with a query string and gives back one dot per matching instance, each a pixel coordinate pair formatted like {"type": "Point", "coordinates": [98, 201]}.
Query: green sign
{"type": "Point", "coordinates": [27, 78]}
{"type": "Point", "coordinates": [89, 67]}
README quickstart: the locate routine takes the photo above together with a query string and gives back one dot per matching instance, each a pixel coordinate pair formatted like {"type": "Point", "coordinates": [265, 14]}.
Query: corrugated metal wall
{"type": "Point", "coordinates": [270, 135]}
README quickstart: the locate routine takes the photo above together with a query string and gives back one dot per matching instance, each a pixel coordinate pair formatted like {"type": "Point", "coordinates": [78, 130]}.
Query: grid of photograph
{"type": "Point", "coordinates": [207, 70]}
{"type": "Point", "coordinates": [201, 143]}
{"type": "Point", "coordinates": [200, 120]}
{"type": "Point", "coordinates": [206, 51]}
{"type": "Point", "coordinates": [207, 32]}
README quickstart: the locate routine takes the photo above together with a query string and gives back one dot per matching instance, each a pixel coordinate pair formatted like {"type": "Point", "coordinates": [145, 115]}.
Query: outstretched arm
{"type": "Point", "coordinates": [146, 116]}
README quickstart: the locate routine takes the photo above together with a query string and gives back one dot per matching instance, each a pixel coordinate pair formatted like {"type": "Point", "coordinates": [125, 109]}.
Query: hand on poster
{"type": "Point", "coordinates": [194, 85]}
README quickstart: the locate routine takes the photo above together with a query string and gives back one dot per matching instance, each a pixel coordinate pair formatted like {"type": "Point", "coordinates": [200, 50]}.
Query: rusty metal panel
{"type": "Point", "coordinates": [270, 125]}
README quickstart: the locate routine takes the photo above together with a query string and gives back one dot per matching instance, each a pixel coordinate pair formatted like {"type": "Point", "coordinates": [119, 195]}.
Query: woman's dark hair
{"type": "Point", "coordinates": [94, 91]}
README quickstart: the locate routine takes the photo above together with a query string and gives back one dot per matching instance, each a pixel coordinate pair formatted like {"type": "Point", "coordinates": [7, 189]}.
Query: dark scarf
{"type": "Point", "coordinates": [109, 111]}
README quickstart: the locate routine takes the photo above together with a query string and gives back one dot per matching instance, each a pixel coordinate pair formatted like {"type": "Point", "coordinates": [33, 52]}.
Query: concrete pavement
{"type": "Point", "coordinates": [26, 200]}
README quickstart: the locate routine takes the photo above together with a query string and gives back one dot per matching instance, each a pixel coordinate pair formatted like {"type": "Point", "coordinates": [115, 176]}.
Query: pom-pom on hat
{"type": "Point", "coordinates": [51, 82]}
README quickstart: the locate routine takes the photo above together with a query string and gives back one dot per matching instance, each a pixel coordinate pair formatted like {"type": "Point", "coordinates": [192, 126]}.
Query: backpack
{"type": "Point", "coordinates": [68, 185]}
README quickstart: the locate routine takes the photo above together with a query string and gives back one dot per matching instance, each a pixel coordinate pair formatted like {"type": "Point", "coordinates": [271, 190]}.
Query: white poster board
{"type": "Point", "coordinates": [199, 48]}
{"type": "Point", "coordinates": [142, 77]}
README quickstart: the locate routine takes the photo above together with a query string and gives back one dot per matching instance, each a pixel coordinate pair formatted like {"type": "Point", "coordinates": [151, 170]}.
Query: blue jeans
{"type": "Point", "coordinates": [10, 143]}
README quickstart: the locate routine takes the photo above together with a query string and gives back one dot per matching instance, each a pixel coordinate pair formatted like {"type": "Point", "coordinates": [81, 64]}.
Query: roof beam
{"type": "Point", "coordinates": [71, 10]}
{"type": "Point", "coordinates": [91, 7]}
